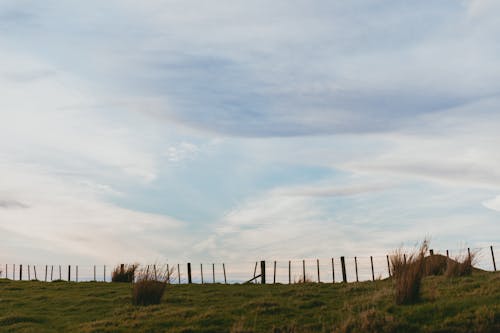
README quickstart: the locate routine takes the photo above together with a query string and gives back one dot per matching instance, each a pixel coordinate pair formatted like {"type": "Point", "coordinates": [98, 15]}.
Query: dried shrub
{"type": "Point", "coordinates": [150, 285]}
{"type": "Point", "coordinates": [435, 265]}
{"type": "Point", "coordinates": [408, 272]}
{"type": "Point", "coordinates": [124, 273]}
{"type": "Point", "coordinates": [462, 265]}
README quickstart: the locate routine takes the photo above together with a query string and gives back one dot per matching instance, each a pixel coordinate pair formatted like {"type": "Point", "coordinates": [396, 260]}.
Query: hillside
{"type": "Point", "coordinates": [469, 304]}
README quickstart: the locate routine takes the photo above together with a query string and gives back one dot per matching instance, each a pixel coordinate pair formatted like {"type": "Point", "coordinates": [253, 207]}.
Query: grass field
{"type": "Point", "coordinates": [468, 304]}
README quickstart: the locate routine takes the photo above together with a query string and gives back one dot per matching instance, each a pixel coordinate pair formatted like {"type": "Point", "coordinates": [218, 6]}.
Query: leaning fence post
{"type": "Point", "coordinates": [333, 272]}
{"type": "Point", "coordinates": [303, 271]}
{"type": "Point", "coordinates": [201, 269]}
{"type": "Point", "coordinates": [356, 267]}
{"type": "Point", "coordinates": [274, 273]}
{"type": "Point", "coordinates": [373, 273]}
{"type": "Point", "coordinates": [342, 264]}
{"type": "Point", "coordinates": [493, 257]}
{"type": "Point", "coordinates": [388, 265]}
{"type": "Point", "coordinates": [317, 264]}
{"type": "Point", "coordinates": [189, 272]}
{"type": "Point", "coordinates": [289, 271]}
{"type": "Point", "coordinates": [224, 270]}
{"type": "Point", "coordinates": [263, 271]}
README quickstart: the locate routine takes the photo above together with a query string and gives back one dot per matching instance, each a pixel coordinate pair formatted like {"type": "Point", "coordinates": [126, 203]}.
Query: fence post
{"type": "Point", "coordinates": [303, 271]}
{"type": "Point", "coordinates": [274, 273]}
{"type": "Point", "coordinates": [179, 273]}
{"type": "Point", "coordinates": [468, 251]}
{"type": "Point", "coordinates": [29, 275]}
{"type": "Point", "coordinates": [255, 272]}
{"type": "Point", "coordinates": [431, 251]}
{"type": "Point", "coordinates": [213, 272]}
{"type": "Point", "coordinates": [69, 273]}
{"type": "Point", "coordinates": [13, 271]}
{"type": "Point", "coordinates": [95, 279]}
{"type": "Point", "coordinates": [224, 270]}
{"type": "Point", "coordinates": [388, 265]}
{"type": "Point", "coordinates": [201, 269]}
{"type": "Point", "coordinates": [189, 273]}
{"type": "Point", "coordinates": [447, 254]}
{"type": "Point", "coordinates": [20, 272]}
{"type": "Point", "coordinates": [404, 258]}
{"type": "Point", "coordinates": [104, 272]}
{"type": "Point", "coordinates": [60, 276]}
{"type": "Point", "coordinates": [333, 272]}
{"type": "Point", "coordinates": [263, 271]}
{"type": "Point", "coordinates": [46, 268]}
{"type": "Point", "coordinates": [373, 272]}
{"type": "Point", "coordinates": [493, 257]}
{"type": "Point", "coordinates": [6, 271]}
{"type": "Point", "coordinates": [356, 267]}
{"type": "Point", "coordinates": [317, 265]}
{"type": "Point", "coordinates": [168, 274]}
{"type": "Point", "coordinates": [51, 273]}
{"type": "Point", "coordinates": [344, 275]}
{"type": "Point", "coordinates": [289, 271]}
{"type": "Point", "coordinates": [76, 273]}
{"type": "Point", "coordinates": [34, 270]}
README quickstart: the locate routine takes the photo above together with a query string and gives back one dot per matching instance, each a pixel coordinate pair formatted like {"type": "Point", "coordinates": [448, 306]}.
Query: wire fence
{"type": "Point", "coordinates": [325, 270]}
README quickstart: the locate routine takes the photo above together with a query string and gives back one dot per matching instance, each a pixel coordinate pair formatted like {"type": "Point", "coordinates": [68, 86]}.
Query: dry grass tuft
{"type": "Point", "coordinates": [435, 265]}
{"type": "Point", "coordinates": [408, 272]}
{"type": "Point", "coordinates": [461, 265]}
{"type": "Point", "coordinates": [149, 286]}
{"type": "Point", "coordinates": [124, 273]}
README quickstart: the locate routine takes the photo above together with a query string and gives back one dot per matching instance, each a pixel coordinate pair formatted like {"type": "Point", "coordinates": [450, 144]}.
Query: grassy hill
{"type": "Point", "coordinates": [468, 304]}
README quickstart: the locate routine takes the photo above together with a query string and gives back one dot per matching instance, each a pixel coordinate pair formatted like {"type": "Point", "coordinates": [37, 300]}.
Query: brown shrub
{"type": "Point", "coordinates": [408, 272]}
{"type": "Point", "coordinates": [460, 266]}
{"type": "Point", "coordinates": [435, 265]}
{"type": "Point", "coordinates": [124, 273]}
{"type": "Point", "coordinates": [150, 285]}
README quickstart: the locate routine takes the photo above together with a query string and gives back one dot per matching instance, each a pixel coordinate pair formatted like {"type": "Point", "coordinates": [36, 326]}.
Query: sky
{"type": "Point", "coordinates": [243, 130]}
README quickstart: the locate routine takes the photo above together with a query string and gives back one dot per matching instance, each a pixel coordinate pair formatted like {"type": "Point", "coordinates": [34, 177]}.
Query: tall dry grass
{"type": "Point", "coordinates": [461, 265]}
{"type": "Point", "coordinates": [149, 285]}
{"type": "Point", "coordinates": [408, 271]}
{"type": "Point", "coordinates": [125, 273]}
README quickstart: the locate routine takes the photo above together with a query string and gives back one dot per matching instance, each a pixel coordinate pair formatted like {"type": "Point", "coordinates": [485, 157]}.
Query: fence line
{"type": "Point", "coordinates": [325, 270]}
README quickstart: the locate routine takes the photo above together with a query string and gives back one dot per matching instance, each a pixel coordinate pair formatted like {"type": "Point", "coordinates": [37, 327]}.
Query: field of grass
{"type": "Point", "coordinates": [467, 304]}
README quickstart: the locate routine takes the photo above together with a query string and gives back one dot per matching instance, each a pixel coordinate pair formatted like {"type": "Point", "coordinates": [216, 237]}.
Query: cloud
{"type": "Point", "coordinates": [8, 204]}
{"type": "Point", "coordinates": [493, 204]}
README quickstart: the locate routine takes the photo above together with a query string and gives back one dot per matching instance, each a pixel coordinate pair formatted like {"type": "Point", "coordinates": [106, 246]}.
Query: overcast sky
{"type": "Point", "coordinates": [236, 130]}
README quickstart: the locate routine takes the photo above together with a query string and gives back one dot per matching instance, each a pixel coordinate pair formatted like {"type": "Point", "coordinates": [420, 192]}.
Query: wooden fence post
{"type": "Point", "coordinates": [317, 265]}
{"type": "Point", "coordinates": [431, 251]}
{"type": "Point", "coordinates": [20, 272]}
{"type": "Point", "coordinates": [60, 275]}
{"type": "Point", "coordinates": [344, 274]}
{"type": "Point", "coordinates": [356, 267]}
{"type": "Point", "coordinates": [104, 272]}
{"type": "Point", "coordinates": [69, 273]}
{"type": "Point", "coordinates": [179, 273]}
{"type": "Point", "coordinates": [447, 254]}
{"type": "Point", "coordinates": [274, 273]}
{"type": "Point", "coordinates": [13, 271]}
{"type": "Point", "coordinates": [388, 265]}
{"type": "Point", "coordinates": [76, 273]}
{"type": "Point", "coordinates": [468, 251]}
{"type": "Point", "coordinates": [168, 274]}
{"type": "Point", "coordinates": [333, 272]}
{"type": "Point", "coordinates": [493, 258]}
{"type": "Point", "coordinates": [95, 278]}
{"type": "Point", "coordinates": [263, 271]}
{"type": "Point", "coordinates": [303, 271]}
{"type": "Point", "coordinates": [289, 271]}
{"type": "Point", "coordinates": [34, 270]}
{"type": "Point", "coordinates": [213, 272]}
{"type": "Point", "coordinates": [6, 271]}
{"type": "Point", "coordinates": [201, 270]}
{"type": "Point", "coordinates": [29, 276]}
{"type": "Point", "coordinates": [255, 272]}
{"type": "Point", "coordinates": [373, 272]}
{"type": "Point", "coordinates": [404, 258]}
{"type": "Point", "coordinates": [46, 268]}
{"type": "Point", "coordinates": [51, 273]}
{"type": "Point", "coordinates": [189, 273]}
{"type": "Point", "coordinates": [224, 270]}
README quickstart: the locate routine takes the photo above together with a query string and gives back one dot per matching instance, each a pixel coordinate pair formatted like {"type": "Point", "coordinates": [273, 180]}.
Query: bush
{"type": "Point", "coordinates": [149, 286]}
{"type": "Point", "coordinates": [435, 265]}
{"type": "Point", "coordinates": [124, 273]}
{"type": "Point", "coordinates": [460, 266]}
{"type": "Point", "coordinates": [408, 273]}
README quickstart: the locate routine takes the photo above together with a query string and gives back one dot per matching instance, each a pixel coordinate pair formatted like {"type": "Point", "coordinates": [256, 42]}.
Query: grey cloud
{"type": "Point", "coordinates": [12, 204]}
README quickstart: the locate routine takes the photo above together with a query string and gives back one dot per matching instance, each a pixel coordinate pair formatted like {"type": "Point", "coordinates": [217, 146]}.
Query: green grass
{"type": "Point", "coordinates": [467, 304]}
